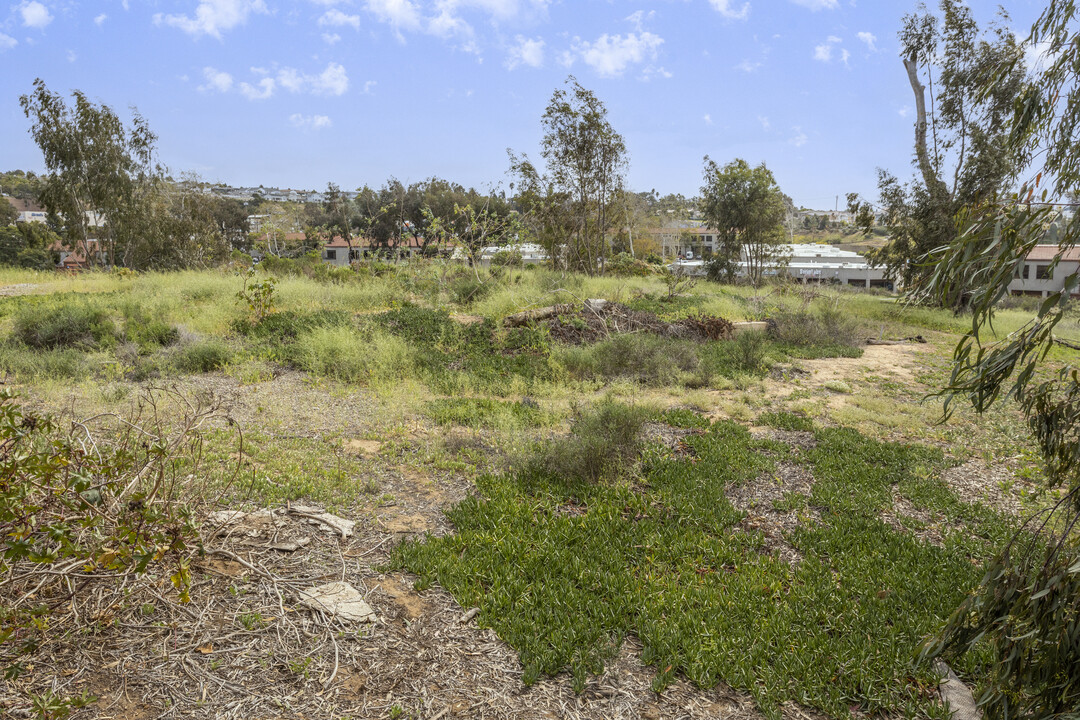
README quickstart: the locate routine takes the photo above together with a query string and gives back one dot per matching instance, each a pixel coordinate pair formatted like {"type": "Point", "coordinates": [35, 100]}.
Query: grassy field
{"type": "Point", "coordinates": [780, 515]}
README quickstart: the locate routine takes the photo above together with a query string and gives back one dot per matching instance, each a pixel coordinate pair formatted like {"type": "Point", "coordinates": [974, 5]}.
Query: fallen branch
{"type": "Point", "coordinates": [528, 316]}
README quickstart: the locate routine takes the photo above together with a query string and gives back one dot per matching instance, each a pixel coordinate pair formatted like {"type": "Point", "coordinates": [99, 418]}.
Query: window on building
{"type": "Point", "coordinates": [1042, 272]}
{"type": "Point", "coordinates": [331, 254]}
{"type": "Point", "coordinates": [1024, 271]}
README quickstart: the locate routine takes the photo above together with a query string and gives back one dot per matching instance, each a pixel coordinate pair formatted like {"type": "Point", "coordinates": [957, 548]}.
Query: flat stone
{"type": "Point", "coordinates": [956, 695]}
{"type": "Point", "coordinates": [328, 521]}
{"type": "Point", "coordinates": [340, 600]}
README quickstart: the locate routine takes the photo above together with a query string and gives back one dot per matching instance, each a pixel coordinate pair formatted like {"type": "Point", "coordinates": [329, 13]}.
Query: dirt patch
{"type": "Point", "coordinates": [672, 438]}
{"type": "Point", "coordinates": [18, 289]}
{"type": "Point", "coordinates": [467, 319]}
{"type": "Point", "coordinates": [760, 498]}
{"type": "Point", "coordinates": [363, 447]}
{"type": "Point", "coordinates": [996, 487]}
{"type": "Point", "coordinates": [408, 599]}
{"type": "Point", "coordinates": [931, 523]}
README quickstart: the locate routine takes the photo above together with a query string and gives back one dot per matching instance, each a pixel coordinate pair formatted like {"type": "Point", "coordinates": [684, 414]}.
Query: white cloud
{"type": "Point", "coordinates": [653, 72]}
{"type": "Point", "coordinates": [216, 80]}
{"type": "Point", "coordinates": [904, 111]}
{"type": "Point", "coordinates": [7, 42]}
{"type": "Point", "coordinates": [526, 52]}
{"type": "Point", "coordinates": [402, 14]}
{"type": "Point", "coordinates": [213, 16]}
{"type": "Point", "coordinates": [100, 19]}
{"type": "Point", "coordinates": [869, 39]}
{"type": "Point", "coordinates": [725, 8]}
{"type": "Point", "coordinates": [707, 118]}
{"type": "Point", "coordinates": [816, 5]}
{"type": "Point", "coordinates": [310, 122]}
{"type": "Point", "coordinates": [798, 137]}
{"type": "Point", "coordinates": [824, 52]}
{"type": "Point", "coordinates": [368, 87]}
{"type": "Point", "coordinates": [336, 18]}
{"type": "Point", "coordinates": [638, 18]}
{"type": "Point", "coordinates": [748, 66]}
{"type": "Point", "coordinates": [263, 90]}
{"type": "Point", "coordinates": [35, 15]}
{"type": "Point", "coordinates": [765, 124]}
{"type": "Point", "coordinates": [331, 38]}
{"type": "Point", "coordinates": [610, 55]}
{"type": "Point", "coordinates": [71, 56]}
{"type": "Point", "coordinates": [844, 56]}
{"type": "Point", "coordinates": [1038, 56]}
{"type": "Point", "coordinates": [331, 81]}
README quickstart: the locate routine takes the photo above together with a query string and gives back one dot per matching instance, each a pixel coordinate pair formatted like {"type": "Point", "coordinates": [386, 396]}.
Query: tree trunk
{"type": "Point", "coordinates": [933, 182]}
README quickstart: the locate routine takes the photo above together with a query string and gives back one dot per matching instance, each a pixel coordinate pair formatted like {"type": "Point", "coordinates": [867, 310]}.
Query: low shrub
{"type": "Point", "coordinates": [202, 357]}
{"type": "Point", "coordinates": [603, 443]}
{"type": "Point", "coordinates": [486, 413]}
{"type": "Point", "coordinates": [468, 288]}
{"type": "Point", "coordinates": [641, 357]}
{"type": "Point", "coordinates": [626, 265]}
{"type": "Point", "coordinates": [344, 354]}
{"type": "Point", "coordinates": [66, 324]}
{"type": "Point", "coordinates": [828, 326]}
{"type": "Point", "coordinates": [786, 421]}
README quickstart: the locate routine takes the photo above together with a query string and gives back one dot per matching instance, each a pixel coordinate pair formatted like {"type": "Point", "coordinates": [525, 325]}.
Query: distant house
{"type": "Point", "coordinates": [29, 211]}
{"type": "Point", "coordinates": [337, 252]}
{"type": "Point", "coordinates": [1034, 276]}
{"type": "Point", "coordinates": [812, 264]}
{"type": "Point", "coordinates": [531, 253]}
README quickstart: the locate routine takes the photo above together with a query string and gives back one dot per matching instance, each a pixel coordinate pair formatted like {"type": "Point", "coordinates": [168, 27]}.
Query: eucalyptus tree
{"type": "Point", "coordinates": [1026, 610]}
{"type": "Point", "coordinates": [586, 163]}
{"type": "Point", "coordinates": [961, 127]}
{"type": "Point", "coordinates": [98, 169]}
{"type": "Point", "coordinates": [747, 209]}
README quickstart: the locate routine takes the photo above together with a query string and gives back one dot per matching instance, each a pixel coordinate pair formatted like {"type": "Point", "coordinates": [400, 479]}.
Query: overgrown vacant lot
{"type": "Point", "coordinates": [650, 524]}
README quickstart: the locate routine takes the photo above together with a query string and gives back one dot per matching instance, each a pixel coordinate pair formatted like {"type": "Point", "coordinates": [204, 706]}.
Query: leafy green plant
{"type": "Point", "coordinates": [604, 442]}
{"type": "Point", "coordinates": [204, 356]}
{"type": "Point", "coordinates": [258, 296]}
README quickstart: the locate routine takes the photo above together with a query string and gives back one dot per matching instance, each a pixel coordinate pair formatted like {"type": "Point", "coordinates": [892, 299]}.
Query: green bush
{"type": "Point", "coordinates": [28, 364]}
{"type": "Point", "coordinates": [604, 442]}
{"type": "Point", "coordinates": [625, 265]}
{"type": "Point", "coordinates": [828, 326]}
{"type": "Point", "coordinates": [365, 356]}
{"type": "Point", "coordinates": [66, 324]}
{"type": "Point", "coordinates": [202, 357]}
{"type": "Point", "coordinates": [467, 288]}
{"type": "Point", "coordinates": [641, 357]}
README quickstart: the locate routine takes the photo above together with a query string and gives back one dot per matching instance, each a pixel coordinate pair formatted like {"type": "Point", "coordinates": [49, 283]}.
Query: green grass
{"type": "Point", "coordinates": [565, 569]}
{"type": "Point", "coordinates": [487, 413]}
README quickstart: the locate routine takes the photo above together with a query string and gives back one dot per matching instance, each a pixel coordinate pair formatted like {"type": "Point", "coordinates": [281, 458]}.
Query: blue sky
{"type": "Point", "coordinates": [298, 93]}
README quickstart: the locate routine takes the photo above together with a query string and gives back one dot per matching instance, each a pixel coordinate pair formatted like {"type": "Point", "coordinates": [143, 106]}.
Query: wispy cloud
{"type": "Point", "coordinates": [824, 52]}
{"type": "Point", "coordinates": [35, 15]}
{"type": "Point", "coordinates": [725, 8]}
{"type": "Point", "coordinates": [331, 38]}
{"type": "Point", "coordinates": [310, 122]}
{"type": "Point", "coordinates": [336, 18]}
{"type": "Point", "coordinates": [765, 124]}
{"type": "Point", "coordinates": [262, 90]}
{"type": "Point", "coordinates": [707, 118]}
{"type": "Point", "coordinates": [748, 66]}
{"type": "Point", "coordinates": [869, 39]}
{"type": "Point", "coordinates": [7, 42]}
{"type": "Point", "coordinates": [216, 80]}
{"type": "Point", "coordinates": [816, 5]}
{"type": "Point", "coordinates": [212, 17]}
{"type": "Point", "coordinates": [798, 137]}
{"type": "Point", "coordinates": [610, 55]}
{"type": "Point", "coordinates": [525, 51]}
{"type": "Point", "coordinates": [100, 19]}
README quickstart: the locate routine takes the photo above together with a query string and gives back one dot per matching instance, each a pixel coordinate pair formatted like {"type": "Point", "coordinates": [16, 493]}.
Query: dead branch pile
{"type": "Point", "coordinates": [598, 321]}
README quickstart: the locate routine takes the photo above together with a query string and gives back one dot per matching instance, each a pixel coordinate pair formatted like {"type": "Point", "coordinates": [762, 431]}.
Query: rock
{"type": "Point", "coordinates": [956, 695]}
{"type": "Point", "coordinates": [742, 327]}
{"type": "Point", "coordinates": [291, 545]}
{"type": "Point", "coordinates": [225, 517]}
{"type": "Point", "coordinates": [318, 516]}
{"type": "Point", "coordinates": [595, 305]}
{"type": "Point", "coordinates": [339, 599]}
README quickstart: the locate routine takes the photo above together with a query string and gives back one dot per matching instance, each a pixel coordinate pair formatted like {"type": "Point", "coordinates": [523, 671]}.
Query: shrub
{"type": "Point", "coordinates": [350, 356]}
{"type": "Point", "coordinates": [486, 412]}
{"type": "Point", "coordinates": [467, 289]}
{"type": "Point", "coordinates": [641, 357]}
{"type": "Point", "coordinates": [203, 357]}
{"type": "Point", "coordinates": [786, 421]}
{"type": "Point", "coordinates": [625, 265]}
{"type": "Point", "coordinates": [70, 324]}
{"type": "Point", "coordinates": [829, 326]}
{"type": "Point", "coordinates": [604, 442]}
{"type": "Point", "coordinates": [748, 351]}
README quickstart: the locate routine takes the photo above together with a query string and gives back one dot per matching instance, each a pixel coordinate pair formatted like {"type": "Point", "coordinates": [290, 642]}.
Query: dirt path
{"type": "Point", "coordinates": [19, 289]}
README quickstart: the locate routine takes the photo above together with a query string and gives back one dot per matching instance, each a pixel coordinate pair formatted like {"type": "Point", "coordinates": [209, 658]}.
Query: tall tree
{"type": "Point", "coordinates": [1026, 610]}
{"type": "Point", "coordinates": [961, 153]}
{"type": "Point", "coordinates": [586, 164]}
{"type": "Point", "coordinates": [96, 165]}
{"type": "Point", "coordinates": [746, 208]}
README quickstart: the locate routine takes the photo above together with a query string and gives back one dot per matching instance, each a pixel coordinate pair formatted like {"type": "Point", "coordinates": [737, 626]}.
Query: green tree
{"type": "Point", "coordinates": [8, 213]}
{"type": "Point", "coordinates": [28, 245]}
{"type": "Point", "coordinates": [586, 163]}
{"type": "Point", "coordinates": [745, 206]}
{"type": "Point", "coordinates": [96, 165]}
{"type": "Point", "coordinates": [1027, 607]}
{"type": "Point", "coordinates": [961, 152]}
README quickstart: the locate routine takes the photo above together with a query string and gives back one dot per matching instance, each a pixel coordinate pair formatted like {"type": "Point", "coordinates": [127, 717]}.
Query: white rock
{"type": "Point", "coordinates": [340, 600]}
